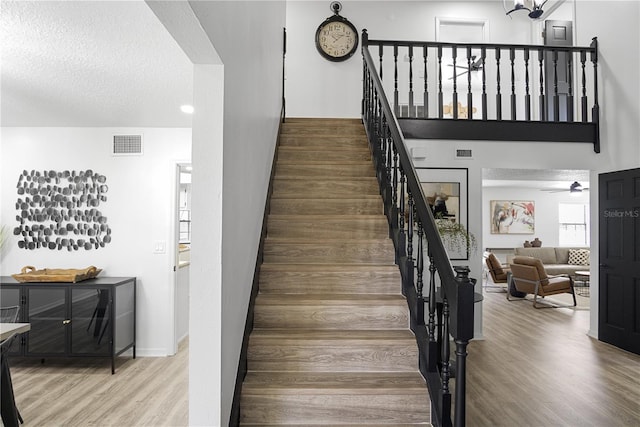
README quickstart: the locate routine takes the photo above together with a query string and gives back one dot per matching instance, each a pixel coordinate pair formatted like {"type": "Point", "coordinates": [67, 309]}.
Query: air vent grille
{"type": "Point", "coordinates": [464, 153]}
{"type": "Point", "coordinates": [127, 145]}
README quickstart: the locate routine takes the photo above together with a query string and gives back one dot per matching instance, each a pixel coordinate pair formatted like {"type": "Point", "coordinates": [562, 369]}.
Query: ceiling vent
{"type": "Point", "coordinates": [127, 145]}
{"type": "Point", "coordinates": [464, 153]}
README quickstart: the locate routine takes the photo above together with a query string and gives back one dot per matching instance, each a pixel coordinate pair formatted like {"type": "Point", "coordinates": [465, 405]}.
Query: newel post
{"type": "Point", "coordinates": [463, 334]}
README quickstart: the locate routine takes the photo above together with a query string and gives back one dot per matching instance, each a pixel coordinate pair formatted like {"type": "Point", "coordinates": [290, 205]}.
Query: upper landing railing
{"type": "Point", "coordinates": [490, 91]}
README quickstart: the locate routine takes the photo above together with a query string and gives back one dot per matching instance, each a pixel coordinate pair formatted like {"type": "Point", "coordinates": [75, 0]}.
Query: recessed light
{"type": "Point", "coordinates": [187, 109]}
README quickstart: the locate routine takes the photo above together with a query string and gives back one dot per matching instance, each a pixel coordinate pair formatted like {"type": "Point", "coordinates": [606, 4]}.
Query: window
{"type": "Point", "coordinates": [574, 224]}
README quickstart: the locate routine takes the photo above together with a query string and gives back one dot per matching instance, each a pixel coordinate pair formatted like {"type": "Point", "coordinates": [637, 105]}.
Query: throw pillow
{"type": "Point", "coordinates": [579, 256]}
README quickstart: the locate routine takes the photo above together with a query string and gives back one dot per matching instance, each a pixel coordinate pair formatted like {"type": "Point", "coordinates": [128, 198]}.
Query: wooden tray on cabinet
{"type": "Point", "coordinates": [30, 274]}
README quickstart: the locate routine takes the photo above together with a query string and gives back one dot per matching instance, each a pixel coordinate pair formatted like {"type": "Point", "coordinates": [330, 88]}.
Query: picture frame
{"type": "Point", "coordinates": [447, 192]}
{"type": "Point", "coordinates": [512, 216]}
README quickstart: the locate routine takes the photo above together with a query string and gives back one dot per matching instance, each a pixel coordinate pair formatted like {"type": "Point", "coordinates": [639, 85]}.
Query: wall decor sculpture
{"type": "Point", "coordinates": [58, 210]}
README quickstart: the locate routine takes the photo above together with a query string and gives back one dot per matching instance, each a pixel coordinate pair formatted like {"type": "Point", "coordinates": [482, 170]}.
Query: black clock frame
{"type": "Point", "coordinates": [337, 18]}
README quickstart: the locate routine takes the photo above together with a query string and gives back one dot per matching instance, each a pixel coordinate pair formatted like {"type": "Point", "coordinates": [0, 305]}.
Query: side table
{"type": "Point", "coordinates": [581, 283]}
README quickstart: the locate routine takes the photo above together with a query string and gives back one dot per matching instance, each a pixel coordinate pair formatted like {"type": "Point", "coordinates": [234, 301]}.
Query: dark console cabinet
{"type": "Point", "coordinates": [92, 318]}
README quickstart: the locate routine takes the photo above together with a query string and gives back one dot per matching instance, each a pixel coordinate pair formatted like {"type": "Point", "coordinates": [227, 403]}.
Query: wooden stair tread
{"type": "Point", "coordinates": [323, 334]}
{"type": "Point", "coordinates": [335, 300]}
{"type": "Point", "coordinates": [266, 267]}
{"type": "Point", "coordinates": [332, 382]}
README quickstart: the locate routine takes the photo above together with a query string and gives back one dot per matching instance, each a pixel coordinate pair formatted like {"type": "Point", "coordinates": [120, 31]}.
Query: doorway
{"type": "Point", "coordinates": [182, 261]}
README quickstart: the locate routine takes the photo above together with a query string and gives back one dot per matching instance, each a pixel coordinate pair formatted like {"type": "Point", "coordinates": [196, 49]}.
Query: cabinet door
{"type": "Point", "coordinates": [47, 313]}
{"type": "Point", "coordinates": [90, 321]}
{"type": "Point", "coordinates": [10, 297]}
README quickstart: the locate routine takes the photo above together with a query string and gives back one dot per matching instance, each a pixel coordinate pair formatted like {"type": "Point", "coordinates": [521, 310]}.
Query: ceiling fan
{"type": "Point", "coordinates": [574, 188]}
{"type": "Point", "coordinates": [476, 65]}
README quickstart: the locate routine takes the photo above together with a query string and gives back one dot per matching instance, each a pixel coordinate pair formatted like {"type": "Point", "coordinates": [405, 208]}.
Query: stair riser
{"type": "Point", "coordinates": [301, 171]}
{"type": "Point", "coordinates": [356, 130]}
{"type": "Point", "coordinates": [327, 156]}
{"type": "Point", "coordinates": [327, 143]}
{"type": "Point", "coordinates": [331, 317]}
{"type": "Point", "coordinates": [311, 189]}
{"type": "Point", "coordinates": [320, 206]}
{"type": "Point", "coordinates": [365, 252]}
{"type": "Point", "coordinates": [357, 408]}
{"type": "Point", "coordinates": [350, 228]}
{"type": "Point", "coordinates": [330, 282]}
{"type": "Point", "coordinates": [333, 355]}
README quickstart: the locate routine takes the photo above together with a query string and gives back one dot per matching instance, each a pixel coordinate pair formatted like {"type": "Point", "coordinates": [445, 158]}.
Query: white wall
{"type": "Point", "coordinates": [546, 215]}
{"type": "Point", "coordinates": [316, 87]}
{"type": "Point", "coordinates": [139, 210]}
{"type": "Point", "coordinates": [248, 36]}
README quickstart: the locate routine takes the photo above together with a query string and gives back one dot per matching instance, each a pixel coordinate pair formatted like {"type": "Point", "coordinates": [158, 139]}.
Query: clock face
{"type": "Point", "coordinates": [336, 39]}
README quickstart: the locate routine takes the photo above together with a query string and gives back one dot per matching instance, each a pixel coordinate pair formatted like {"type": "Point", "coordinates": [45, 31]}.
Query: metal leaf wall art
{"type": "Point", "coordinates": [58, 210]}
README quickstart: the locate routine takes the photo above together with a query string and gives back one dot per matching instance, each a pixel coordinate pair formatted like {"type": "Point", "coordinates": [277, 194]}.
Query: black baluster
{"type": "Point", "coordinates": [543, 110]}
{"type": "Point", "coordinates": [419, 283]}
{"type": "Point", "coordinates": [583, 60]}
{"type": "Point", "coordinates": [425, 101]}
{"type": "Point", "coordinates": [432, 300]}
{"type": "Point", "coordinates": [380, 53]}
{"type": "Point", "coordinates": [410, 229]}
{"type": "Point", "coordinates": [527, 96]}
{"type": "Point", "coordinates": [402, 201]}
{"type": "Point", "coordinates": [446, 351]}
{"type": "Point", "coordinates": [570, 88]}
{"type": "Point", "coordinates": [469, 95]}
{"type": "Point", "coordinates": [595, 111]}
{"type": "Point", "coordinates": [440, 99]}
{"type": "Point", "coordinates": [483, 53]}
{"type": "Point", "coordinates": [512, 58]}
{"type": "Point", "coordinates": [410, 82]}
{"type": "Point", "coordinates": [396, 107]}
{"type": "Point", "coordinates": [498, 94]}
{"type": "Point", "coordinates": [556, 98]}
{"type": "Point", "coordinates": [454, 54]}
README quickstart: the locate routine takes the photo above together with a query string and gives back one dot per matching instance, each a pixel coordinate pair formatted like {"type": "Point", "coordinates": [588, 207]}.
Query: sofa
{"type": "Point", "coordinates": [558, 260]}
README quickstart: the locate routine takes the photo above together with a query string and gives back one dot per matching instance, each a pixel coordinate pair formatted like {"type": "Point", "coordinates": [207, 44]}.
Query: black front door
{"type": "Point", "coordinates": [619, 219]}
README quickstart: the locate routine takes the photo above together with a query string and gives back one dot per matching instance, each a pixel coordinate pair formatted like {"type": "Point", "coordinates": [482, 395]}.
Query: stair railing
{"type": "Point", "coordinates": [470, 91]}
{"type": "Point", "coordinates": [418, 243]}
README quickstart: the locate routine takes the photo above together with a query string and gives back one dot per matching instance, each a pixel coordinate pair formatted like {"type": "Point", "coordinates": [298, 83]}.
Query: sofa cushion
{"type": "Point", "coordinates": [555, 269]}
{"type": "Point", "coordinates": [578, 257]}
{"type": "Point", "coordinates": [562, 255]}
{"type": "Point", "coordinates": [546, 255]}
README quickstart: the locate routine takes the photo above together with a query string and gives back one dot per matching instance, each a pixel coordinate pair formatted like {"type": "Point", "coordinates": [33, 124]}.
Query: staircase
{"type": "Point", "coordinates": [331, 343]}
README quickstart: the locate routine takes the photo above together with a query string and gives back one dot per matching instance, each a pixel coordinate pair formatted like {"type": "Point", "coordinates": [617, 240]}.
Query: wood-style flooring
{"type": "Point", "coordinates": [540, 368]}
{"type": "Point", "coordinates": [146, 391]}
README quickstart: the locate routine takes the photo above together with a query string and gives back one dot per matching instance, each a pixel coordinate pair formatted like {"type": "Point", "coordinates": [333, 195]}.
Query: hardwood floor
{"type": "Point", "coordinates": [147, 391]}
{"type": "Point", "coordinates": [539, 368]}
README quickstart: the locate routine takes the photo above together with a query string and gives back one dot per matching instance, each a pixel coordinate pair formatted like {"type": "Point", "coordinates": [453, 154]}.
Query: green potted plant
{"type": "Point", "coordinates": [455, 236]}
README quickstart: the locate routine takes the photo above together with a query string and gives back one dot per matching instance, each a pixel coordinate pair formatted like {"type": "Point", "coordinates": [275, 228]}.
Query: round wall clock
{"type": "Point", "coordinates": [336, 37]}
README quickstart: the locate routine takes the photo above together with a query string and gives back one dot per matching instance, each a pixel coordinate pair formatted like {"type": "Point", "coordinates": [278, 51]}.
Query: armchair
{"type": "Point", "coordinates": [497, 271]}
{"type": "Point", "coordinates": [529, 276]}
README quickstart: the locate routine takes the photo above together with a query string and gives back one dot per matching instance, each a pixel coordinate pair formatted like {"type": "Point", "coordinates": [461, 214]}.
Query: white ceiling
{"type": "Point", "coordinates": [90, 63]}
{"type": "Point", "coordinates": [534, 178]}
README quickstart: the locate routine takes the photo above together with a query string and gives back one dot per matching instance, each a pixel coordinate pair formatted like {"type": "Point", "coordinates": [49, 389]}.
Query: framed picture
{"type": "Point", "coordinates": [446, 191]}
{"type": "Point", "coordinates": [512, 216]}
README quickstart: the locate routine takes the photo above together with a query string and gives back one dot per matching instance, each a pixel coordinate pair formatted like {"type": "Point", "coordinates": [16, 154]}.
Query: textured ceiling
{"type": "Point", "coordinates": [90, 63]}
